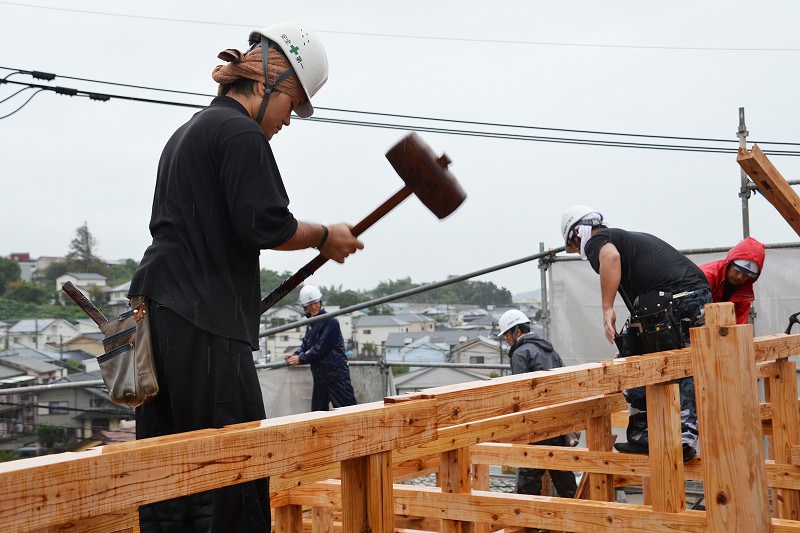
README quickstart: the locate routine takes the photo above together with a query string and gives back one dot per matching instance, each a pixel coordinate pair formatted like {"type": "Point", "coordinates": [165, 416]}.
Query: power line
{"type": "Point", "coordinates": [448, 131]}
{"type": "Point", "coordinates": [23, 104]}
{"type": "Point", "coordinates": [49, 76]}
{"type": "Point", "coordinates": [418, 37]}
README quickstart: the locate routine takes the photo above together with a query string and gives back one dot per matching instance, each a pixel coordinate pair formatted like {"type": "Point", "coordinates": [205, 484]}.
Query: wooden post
{"type": "Point", "coordinates": [667, 486]}
{"type": "Point", "coordinates": [354, 495]}
{"type": "Point", "coordinates": [480, 481]}
{"type": "Point", "coordinates": [783, 396]}
{"type": "Point", "coordinates": [723, 358]}
{"type": "Point", "coordinates": [288, 519]}
{"type": "Point", "coordinates": [600, 439]}
{"type": "Point", "coordinates": [454, 476]}
{"type": "Point", "coordinates": [367, 502]}
{"type": "Point", "coordinates": [380, 499]}
{"type": "Point", "coordinates": [321, 520]}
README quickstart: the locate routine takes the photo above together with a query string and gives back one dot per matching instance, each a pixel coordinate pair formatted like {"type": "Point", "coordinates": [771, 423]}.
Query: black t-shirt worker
{"type": "Point", "coordinates": [219, 200]}
{"type": "Point", "coordinates": [641, 266]}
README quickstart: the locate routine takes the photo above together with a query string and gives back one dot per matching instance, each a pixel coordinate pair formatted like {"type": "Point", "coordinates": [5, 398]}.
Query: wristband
{"type": "Point", "coordinates": [323, 239]}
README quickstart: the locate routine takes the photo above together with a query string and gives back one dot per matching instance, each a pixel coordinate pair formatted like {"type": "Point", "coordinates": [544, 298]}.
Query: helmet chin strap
{"type": "Point", "coordinates": [267, 85]}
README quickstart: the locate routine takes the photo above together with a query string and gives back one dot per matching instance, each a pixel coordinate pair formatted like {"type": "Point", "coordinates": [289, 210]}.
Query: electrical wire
{"type": "Point", "coordinates": [13, 95]}
{"type": "Point", "coordinates": [23, 105]}
{"type": "Point", "coordinates": [50, 76]}
{"type": "Point", "coordinates": [431, 129]}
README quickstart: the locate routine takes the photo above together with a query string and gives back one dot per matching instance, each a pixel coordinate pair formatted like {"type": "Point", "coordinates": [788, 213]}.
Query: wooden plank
{"type": "Point", "coordinates": [466, 402]}
{"type": "Point", "coordinates": [575, 459]}
{"type": "Point", "coordinates": [599, 438]}
{"type": "Point", "coordinates": [771, 184]}
{"type": "Point", "coordinates": [782, 385]}
{"type": "Point", "coordinates": [775, 347]}
{"type": "Point", "coordinates": [785, 526]}
{"type": "Point", "coordinates": [666, 455]}
{"type": "Point", "coordinates": [481, 400]}
{"type": "Point", "coordinates": [530, 426]}
{"type": "Point", "coordinates": [544, 512]}
{"type": "Point", "coordinates": [120, 522]}
{"type": "Point", "coordinates": [74, 486]}
{"type": "Point", "coordinates": [729, 423]}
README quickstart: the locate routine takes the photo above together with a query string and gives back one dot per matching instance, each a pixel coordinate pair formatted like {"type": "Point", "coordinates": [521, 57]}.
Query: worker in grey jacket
{"type": "Point", "coordinates": [530, 353]}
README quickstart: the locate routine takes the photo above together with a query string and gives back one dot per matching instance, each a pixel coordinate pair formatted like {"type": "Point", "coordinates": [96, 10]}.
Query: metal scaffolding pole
{"type": "Point", "coordinates": [744, 190]}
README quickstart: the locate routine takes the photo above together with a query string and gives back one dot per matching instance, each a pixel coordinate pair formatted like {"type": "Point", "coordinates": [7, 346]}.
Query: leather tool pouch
{"type": "Point", "coordinates": [660, 327]}
{"type": "Point", "coordinates": [127, 366]}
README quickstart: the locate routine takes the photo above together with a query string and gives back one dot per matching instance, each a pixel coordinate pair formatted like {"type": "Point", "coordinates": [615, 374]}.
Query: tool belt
{"type": "Point", "coordinates": [652, 327]}
{"type": "Point", "coordinates": [127, 366]}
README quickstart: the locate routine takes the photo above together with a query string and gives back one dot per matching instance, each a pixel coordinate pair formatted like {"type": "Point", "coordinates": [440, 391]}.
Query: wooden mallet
{"type": "Point", "coordinates": [425, 176]}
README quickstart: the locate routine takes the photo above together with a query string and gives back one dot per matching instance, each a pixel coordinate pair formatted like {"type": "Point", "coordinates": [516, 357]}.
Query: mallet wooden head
{"type": "Point", "coordinates": [426, 175]}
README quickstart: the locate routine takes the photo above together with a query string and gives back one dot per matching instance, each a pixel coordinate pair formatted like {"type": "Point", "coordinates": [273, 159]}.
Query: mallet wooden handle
{"type": "Point", "coordinates": [84, 303]}
{"type": "Point", "coordinates": [304, 273]}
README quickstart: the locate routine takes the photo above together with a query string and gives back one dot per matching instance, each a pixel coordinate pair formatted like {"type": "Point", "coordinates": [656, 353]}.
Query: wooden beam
{"type": "Point", "coordinates": [575, 459]}
{"type": "Point", "coordinates": [727, 410]}
{"type": "Point", "coordinates": [117, 478]}
{"type": "Point", "coordinates": [771, 184]}
{"type": "Point", "coordinates": [531, 426]}
{"type": "Point", "coordinates": [545, 512]}
{"type": "Point", "coordinates": [480, 400]}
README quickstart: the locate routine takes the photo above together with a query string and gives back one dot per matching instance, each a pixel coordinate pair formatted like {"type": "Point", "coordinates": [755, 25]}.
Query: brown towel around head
{"type": "Point", "coordinates": [249, 66]}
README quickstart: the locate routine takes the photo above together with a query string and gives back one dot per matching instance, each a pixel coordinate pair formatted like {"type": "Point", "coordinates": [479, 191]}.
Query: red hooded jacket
{"type": "Point", "coordinates": [715, 271]}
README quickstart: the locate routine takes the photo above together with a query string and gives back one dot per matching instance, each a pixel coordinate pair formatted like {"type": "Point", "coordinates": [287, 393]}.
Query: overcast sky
{"type": "Point", "coordinates": [675, 69]}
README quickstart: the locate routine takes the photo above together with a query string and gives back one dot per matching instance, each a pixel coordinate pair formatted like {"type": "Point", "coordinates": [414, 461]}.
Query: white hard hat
{"type": "Point", "coordinates": [306, 55]}
{"type": "Point", "coordinates": [574, 214]}
{"type": "Point", "coordinates": [309, 294]}
{"type": "Point", "coordinates": [511, 318]}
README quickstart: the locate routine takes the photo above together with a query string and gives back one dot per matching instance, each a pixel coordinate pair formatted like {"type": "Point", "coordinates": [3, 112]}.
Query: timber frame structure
{"type": "Point", "coordinates": [343, 470]}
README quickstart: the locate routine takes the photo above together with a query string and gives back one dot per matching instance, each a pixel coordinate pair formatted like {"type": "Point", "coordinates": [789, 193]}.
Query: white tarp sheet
{"type": "Point", "coordinates": [576, 316]}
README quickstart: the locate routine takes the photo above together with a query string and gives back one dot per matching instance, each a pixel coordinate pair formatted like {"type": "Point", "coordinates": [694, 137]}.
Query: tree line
{"type": "Point", "coordinates": [38, 298]}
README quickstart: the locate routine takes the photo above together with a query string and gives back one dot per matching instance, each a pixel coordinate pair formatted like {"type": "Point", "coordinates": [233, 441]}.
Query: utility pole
{"type": "Point", "coordinates": [744, 190]}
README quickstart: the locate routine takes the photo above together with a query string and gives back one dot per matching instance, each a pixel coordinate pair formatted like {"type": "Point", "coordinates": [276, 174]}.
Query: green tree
{"type": "Point", "coordinates": [345, 298]}
{"type": "Point", "coordinates": [81, 257]}
{"type": "Point", "coordinates": [26, 291]}
{"type": "Point", "coordinates": [54, 271]}
{"type": "Point", "coordinates": [9, 271]}
{"type": "Point", "coordinates": [271, 280]}
{"type": "Point", "coordinates": [122, 273]}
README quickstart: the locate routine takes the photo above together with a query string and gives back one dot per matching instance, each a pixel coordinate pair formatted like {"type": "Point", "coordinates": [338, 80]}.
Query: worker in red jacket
{"type": "Point", "coordinates": [732, 278]}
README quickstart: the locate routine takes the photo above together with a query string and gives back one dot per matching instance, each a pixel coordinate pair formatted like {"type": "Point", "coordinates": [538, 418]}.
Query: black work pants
{"type": "Point", "coordinates": [337, 393]}
{"type": "Point", "coordinates": [529, 480]}
{"type": "Point", "coordinates": [205, 381]}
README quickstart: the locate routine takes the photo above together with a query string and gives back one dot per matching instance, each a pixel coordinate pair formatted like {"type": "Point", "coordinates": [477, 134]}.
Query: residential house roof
{"type": "Point", "coordinates": [413, 317]}
{"type": "Point", "coordinates": [37, 365]}
{"type": "Point", "coordinates": [427, 378]}
{"type": "Point", "coordinates": [85, 275]}
{"type": "Point", "coordinates": [32, 325]}
{"type": "Point", "coordinates": [378, 321]}
{"type": "Point", "coordinates": [449, 337]}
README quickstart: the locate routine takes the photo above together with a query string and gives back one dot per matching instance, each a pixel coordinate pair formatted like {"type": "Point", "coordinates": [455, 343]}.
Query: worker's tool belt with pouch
{"type": "Point", "coordinates": [653, 326]}
{"type": "Point", "coordinates": [127, 366]}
